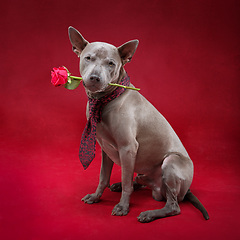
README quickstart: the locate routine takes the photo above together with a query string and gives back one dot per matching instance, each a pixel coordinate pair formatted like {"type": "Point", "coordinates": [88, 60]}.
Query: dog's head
{"type": "Point", "coordinates": [100, 63]}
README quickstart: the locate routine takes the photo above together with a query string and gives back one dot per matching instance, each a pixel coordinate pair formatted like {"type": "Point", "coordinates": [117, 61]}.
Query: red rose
{"type": "Point", "coordinates": [59, 76]}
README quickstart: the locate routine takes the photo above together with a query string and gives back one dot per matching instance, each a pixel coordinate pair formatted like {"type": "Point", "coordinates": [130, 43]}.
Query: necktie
{"type": "Point", "coordinates": [88, 140]}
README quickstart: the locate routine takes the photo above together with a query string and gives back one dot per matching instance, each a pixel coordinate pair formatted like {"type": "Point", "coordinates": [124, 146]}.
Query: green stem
{"type": "Point", "coordinates": [118, 85]}
{"type": "Point", "coordinates": [73, 77]}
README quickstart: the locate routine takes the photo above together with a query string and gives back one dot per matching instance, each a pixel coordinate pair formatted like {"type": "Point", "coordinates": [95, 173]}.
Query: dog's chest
{"type": "Point", "coordinates": [107, 142]}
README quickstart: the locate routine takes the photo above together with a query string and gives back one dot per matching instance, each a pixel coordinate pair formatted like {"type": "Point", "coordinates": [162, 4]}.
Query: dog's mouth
{"type": "Point", "coordinates": [94, 87]}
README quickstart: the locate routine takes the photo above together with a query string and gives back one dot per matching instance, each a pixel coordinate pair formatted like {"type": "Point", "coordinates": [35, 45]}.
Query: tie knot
{"type": "Point", "coordinates": [96, 105]}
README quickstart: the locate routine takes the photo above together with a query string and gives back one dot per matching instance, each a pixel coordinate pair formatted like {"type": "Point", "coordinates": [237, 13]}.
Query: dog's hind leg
{"type": "Point", "coordinates": [176, 179]}
{"type": "Point", "coordinates": [170, 209]}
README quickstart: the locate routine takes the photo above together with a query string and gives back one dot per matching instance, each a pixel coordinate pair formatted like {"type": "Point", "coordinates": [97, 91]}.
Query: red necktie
{"type": "Point", "coordinates": [88, 140]}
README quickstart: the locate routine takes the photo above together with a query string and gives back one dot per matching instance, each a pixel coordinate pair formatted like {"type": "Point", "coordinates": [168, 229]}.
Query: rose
{"type": "Point", "coordinates": [59, 76]}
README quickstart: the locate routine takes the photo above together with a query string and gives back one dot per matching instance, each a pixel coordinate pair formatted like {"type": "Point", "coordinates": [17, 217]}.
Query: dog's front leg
{"type": "Point", "coordinates": [104, 180]}
{"type": "Point", "coordinates": [127, 158]}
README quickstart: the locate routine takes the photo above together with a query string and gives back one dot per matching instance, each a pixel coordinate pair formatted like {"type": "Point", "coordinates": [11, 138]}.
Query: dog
{"type": "Point", "coordinates": [133, 134]}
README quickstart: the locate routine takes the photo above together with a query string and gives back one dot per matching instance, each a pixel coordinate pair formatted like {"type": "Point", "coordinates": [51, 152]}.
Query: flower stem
{"type": "Point", "coordinates": [118, 85]}
{"type": "Point", "coordinates": [73, 77]}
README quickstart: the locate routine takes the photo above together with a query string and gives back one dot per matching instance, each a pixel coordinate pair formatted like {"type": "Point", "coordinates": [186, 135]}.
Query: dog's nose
{"type": "Point", "coordinates": [95, 78]}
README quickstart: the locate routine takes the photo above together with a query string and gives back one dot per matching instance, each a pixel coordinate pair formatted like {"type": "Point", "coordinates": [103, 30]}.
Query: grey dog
{"type": "Point", "coordinates": [133, 134]}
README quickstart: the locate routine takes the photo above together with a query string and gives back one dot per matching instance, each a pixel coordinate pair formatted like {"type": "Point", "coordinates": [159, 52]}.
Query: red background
{"type": "Point", "coordinates": [187, 65]}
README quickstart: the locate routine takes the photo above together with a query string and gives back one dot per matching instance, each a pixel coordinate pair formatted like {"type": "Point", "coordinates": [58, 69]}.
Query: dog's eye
{"type": "Point", "coordinates": [88, 58]}
{"type": "Point", "coordinates": [111, 64]}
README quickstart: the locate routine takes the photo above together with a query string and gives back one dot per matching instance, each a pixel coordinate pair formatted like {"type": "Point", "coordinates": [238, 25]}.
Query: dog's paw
{"type": "Point", "coordinates": [120, 210]}
{"type": "Point", "coordinates": [116, 187]}
{"type": "Point", "coordinates": [145, 217]}
{"type": "Point", "coordinates": [91, 198]}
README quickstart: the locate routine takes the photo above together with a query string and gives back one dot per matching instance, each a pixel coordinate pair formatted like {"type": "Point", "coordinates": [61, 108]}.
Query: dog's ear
{"type": "Point", "coordinates": [77, 40]}
{"type": "Point", "coordinates": [127, 50]}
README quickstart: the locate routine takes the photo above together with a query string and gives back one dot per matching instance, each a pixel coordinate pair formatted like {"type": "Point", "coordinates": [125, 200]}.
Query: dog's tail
{"type": "Point", "coordinates": [196, 203]}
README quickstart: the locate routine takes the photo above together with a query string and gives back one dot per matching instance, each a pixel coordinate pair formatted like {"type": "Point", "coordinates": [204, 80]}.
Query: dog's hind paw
{"type": "Point", "coordinates": [145, 217]}
{"type": "Point", "coordinates": [116, 187]}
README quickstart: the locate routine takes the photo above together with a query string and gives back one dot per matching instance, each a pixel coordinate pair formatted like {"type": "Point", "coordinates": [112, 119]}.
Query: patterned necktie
{"type": "Point", "coordinates": [88, 140]}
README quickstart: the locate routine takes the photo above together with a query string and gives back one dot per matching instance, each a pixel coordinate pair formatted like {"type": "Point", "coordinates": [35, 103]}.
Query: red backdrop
{"type": "Point", "coordinates": [187, 65]}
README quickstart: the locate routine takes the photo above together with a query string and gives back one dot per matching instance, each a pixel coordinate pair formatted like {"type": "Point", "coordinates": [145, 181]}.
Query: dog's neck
{"type": "Point", "coordinates": [109, 89]}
